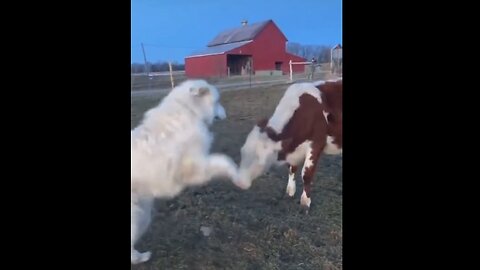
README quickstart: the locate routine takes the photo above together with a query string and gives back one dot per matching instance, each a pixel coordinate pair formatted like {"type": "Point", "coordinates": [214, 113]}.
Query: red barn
{"type": "Point", "coordinates": [261, 46]}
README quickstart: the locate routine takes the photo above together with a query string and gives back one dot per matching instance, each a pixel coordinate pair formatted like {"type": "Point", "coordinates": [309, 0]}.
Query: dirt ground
{"type": "Point", "coordinates": [260, 228]}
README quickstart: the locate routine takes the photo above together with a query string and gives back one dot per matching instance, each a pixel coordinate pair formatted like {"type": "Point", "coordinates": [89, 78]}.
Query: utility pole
{"type": "Point", "coordinates": [145, 58]}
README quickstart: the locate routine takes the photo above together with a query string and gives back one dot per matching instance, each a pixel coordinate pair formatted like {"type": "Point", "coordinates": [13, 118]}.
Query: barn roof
{"type": "Point", "coordinates": [242, 33]}
{"type": "Point", "coordinates": [219, 49]}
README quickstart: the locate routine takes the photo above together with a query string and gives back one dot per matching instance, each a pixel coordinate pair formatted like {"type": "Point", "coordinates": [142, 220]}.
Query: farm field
{"type": "Point", "coordinates": [260, 228]}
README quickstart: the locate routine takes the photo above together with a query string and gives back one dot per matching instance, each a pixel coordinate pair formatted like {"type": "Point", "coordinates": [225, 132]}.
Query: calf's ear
{"type": "Point", "coordinates": [262, 123]}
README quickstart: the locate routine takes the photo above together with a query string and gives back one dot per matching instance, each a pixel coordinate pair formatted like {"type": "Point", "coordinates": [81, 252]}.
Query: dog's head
{"type": "Point", "coordinates": [205, 100]}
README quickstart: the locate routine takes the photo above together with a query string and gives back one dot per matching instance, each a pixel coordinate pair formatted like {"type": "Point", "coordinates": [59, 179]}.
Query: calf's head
{"type": "Point", "coordinates": [258, 154]}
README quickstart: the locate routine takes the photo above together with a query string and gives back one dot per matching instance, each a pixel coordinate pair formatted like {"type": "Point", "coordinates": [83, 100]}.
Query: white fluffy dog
{"type": "Point", "coordinates": [170, 151]}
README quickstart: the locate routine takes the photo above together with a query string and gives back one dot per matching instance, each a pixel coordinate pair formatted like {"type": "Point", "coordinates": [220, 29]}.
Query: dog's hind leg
{"type": "Point", "coordinates": [140, 220]}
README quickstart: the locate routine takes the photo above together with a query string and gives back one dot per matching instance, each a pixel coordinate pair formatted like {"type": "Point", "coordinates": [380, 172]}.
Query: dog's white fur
{"type": "Point", "coordinates": [170, 151]}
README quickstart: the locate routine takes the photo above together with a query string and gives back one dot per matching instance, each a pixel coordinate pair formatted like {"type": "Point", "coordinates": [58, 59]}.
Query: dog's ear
{"type": "Point", "coordinates": [199, 91]}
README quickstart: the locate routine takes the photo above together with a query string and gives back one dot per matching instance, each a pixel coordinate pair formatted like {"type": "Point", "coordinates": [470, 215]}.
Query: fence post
{"type": "Point", "coordinates": [291, 72]}
{"type": "Point", "coordinates": [171, 75]}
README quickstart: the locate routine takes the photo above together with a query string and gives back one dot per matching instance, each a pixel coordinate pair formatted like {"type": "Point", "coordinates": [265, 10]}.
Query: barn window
{"type": "Point", "coordinates": [278, 65]}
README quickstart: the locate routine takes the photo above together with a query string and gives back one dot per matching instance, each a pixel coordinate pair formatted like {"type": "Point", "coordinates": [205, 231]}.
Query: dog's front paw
{"type": "Point", "coordinates": [243, 184]}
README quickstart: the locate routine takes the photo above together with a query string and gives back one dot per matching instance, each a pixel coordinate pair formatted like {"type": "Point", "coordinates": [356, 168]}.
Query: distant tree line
{"type": "Point", "coordinates": [320, 52]}
{"type": "Point", "coordinates": [156, 67]}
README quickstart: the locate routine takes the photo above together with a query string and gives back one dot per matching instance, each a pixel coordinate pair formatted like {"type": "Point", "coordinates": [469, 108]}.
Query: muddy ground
{"type": "Point", "coordinates": [260, 228]}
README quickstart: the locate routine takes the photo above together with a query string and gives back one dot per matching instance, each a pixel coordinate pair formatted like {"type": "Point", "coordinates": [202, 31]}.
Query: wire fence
{"type": "Point", "coordinates": [150, 79]}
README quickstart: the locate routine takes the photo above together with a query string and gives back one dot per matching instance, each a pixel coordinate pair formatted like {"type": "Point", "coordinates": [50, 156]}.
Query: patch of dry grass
{"type": "Point", "coordinates": [259, 228]}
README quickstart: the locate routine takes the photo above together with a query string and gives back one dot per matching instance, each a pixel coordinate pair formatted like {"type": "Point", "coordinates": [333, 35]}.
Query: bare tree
{"type": "Point", "coordinates": [138, 68]}
{"type": "Point", "coordinates": [320, 52]}
{"type": "Point", "coordinates": [159, 66]}
{"type": "Point", "coordinates": [324, 54]}
{"type": "Point", "coordinates": [294, 48]}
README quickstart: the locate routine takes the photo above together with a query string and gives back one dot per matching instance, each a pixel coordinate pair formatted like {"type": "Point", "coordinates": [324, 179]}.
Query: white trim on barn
{"type": "Point", "coordinates": [201, 55]}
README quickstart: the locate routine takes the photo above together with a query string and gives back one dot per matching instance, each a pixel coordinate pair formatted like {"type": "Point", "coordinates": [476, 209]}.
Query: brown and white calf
{"type": "Point", "coordinates": [306, 122]}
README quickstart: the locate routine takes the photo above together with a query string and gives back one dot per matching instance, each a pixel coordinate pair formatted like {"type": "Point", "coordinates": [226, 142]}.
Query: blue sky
{"type": "Point", "coordinates": [172, 29]}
